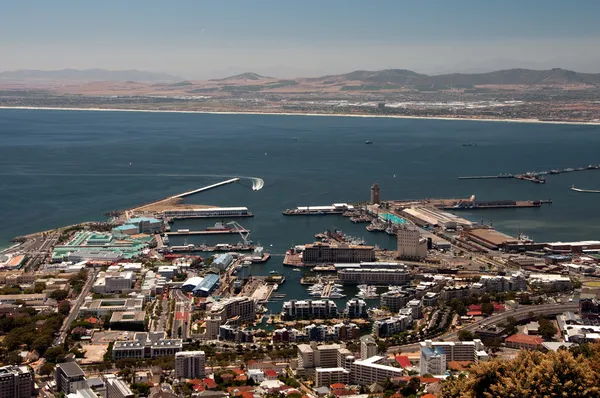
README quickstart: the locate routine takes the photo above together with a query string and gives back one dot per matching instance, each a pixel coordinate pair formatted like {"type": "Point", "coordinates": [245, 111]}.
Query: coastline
{"type": "Point", "coordinates": [472, 119]}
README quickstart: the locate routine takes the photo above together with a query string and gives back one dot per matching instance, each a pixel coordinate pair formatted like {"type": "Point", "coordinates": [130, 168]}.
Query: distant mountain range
{"type": "Point", "coordinates": [88, 75]}
{"type": "Point", "coordinates": [243, 76]}
{"type": "Point", "coordinates": [405, 77]}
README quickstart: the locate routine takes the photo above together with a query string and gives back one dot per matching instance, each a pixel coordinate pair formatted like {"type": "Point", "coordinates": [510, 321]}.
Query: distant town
{"type": "Point", "coordinates": [555, 95]}
{"type": "Point", "coordinates": [114, 309]}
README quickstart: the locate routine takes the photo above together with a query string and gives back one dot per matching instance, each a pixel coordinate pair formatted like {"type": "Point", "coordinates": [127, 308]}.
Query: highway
{"type": "Point", "coordinates": [75, 307]}
{"type": "Point", "coordinates": [519, 314]}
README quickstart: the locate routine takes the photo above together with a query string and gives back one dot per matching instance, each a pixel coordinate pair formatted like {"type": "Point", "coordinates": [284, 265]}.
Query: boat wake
{"type": "Point", "coordinates": [257, 183]}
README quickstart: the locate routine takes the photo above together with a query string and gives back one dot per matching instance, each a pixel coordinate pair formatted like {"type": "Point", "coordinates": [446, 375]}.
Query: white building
{"type": "Point", "coordinates": [114, 282]}
{"type": "Point", "coordinates": [325, 377]}
{"type": "Point", "coordinates": [551, 281]}
{"type": "Point", "coordinates": [371, 370]}
{"type": "Point", "coordinates": [411, 244]}
{"type": "Point", "coordinates": [242, 307]}
{"type": "Point", "coordinates": [190, 364]}
{"type": "Point", "coordinates": [472, 351]}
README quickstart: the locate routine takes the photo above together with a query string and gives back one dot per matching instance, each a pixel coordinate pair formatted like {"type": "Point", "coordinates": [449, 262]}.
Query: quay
{"type": "Point", "coordinates": [206, 232]}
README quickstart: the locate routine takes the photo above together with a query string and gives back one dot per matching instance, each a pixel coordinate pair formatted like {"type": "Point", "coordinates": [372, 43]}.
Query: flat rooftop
{"type": "Point", "coordinates": [491, 235]}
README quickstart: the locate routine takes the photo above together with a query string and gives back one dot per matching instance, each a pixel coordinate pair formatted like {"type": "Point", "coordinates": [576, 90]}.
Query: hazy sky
{"type": "Point", "coordinates": [200, 39]}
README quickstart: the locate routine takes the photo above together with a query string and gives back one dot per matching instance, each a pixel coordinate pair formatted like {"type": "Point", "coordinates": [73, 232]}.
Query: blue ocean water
{"type": "Point", "coordinates": [63, 167]}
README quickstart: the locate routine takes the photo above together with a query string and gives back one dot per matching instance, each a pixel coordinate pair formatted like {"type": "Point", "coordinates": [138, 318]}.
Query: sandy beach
{"type": "Point", "coordinates": [591, 123]}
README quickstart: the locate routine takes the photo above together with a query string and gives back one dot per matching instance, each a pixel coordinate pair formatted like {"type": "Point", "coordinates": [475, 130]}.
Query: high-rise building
{"type": "Point", "coordinates": [410, 243]}
{"type": "Point", "coordinates": [16, 382]}
{"type": "Point", "coordinates": [117, 388]}
{"type": "Point", "coordinates": [368, 347]}
{"type": "Point", "coordinates": [190, 364]}
{"type": "Point", "coordinates": [356, 308]}
{"type": "Point", "coordinates": [375, 198]}
{"type": "Point", "coordinates": [69, 377]}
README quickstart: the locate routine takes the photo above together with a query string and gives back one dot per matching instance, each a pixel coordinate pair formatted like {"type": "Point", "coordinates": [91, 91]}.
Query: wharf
{"type": "Point", "coordinates": [508, 204]}
{"type": "Point", "coordinates": [207, 232]}
{"type": "Point", "coordinates": [258, 289]}
{"type": "Point", "coordinates": [293, 259]}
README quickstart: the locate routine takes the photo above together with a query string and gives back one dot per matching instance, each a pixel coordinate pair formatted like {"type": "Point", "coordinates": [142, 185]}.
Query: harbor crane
{"type": "Point", "coordinates": [244, 233]}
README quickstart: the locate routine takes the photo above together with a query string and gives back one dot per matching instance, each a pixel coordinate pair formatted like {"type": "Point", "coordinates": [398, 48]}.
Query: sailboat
{"type": "Point", "coordinates": [584, 190]}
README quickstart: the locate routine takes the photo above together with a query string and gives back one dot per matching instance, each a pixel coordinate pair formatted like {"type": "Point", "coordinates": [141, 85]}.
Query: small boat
{"type": "Point", "coordinates": [469, 144]}
{"type": "Point", "coordinates": [368, 142]}
{"type": "Point", "coordinates": [296, 269]}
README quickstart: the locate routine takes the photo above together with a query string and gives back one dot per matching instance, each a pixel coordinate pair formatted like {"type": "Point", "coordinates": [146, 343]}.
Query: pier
{"type": "Point", "coordinates": [537, 177]}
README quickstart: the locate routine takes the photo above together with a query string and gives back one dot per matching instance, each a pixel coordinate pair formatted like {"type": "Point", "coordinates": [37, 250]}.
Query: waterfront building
{"type": "Point", "coordinates": [241, 308]}
{"type": "Point", "coordinates": [191, 283]}
{"type": "Point", "coordinates": [207, 212]}
{"type": "Point", "coordinates": [146, 345]}
{"type": "Point", "coordinates": [346, 331]}
{"type": "Point", "coordinates": [356, 308]}
{"type": "Point", "coordinates": [209, 283]}
{"type": "Point", "coordinates": [368, 347]}
{"type": "Point", "coordinates": [375, 194]}
{"type": "Point", "coordinates": [394, 300]}
{"type": "Point", "coordinates": [471, 351]}
{"type": "Point", "coordinates": [391, 326]}
{"type": "Point", "coordinates": [69, 377]}
{"type": "Point", "coordinates": [285, 335]}
{"type": "Point", "coordinates": [190, 364]}
{"type": "Point", "coordinates": [319, 253]}
{"type": "Point", "coordinates": [374, 276]}
{"type": "Point", "coordinates": [235, 334]}
{"type": "Point", "coordinates": [309, 309]}
{"type": "Point", "coordinates": [410, 243]}
{"type": "Point", "coordinates": [317, 333]}
{"type": "Point", "coordinates": [222, 261]}
{"type": "Point", "coordinates": [16, 382]}
{"type": "Point", "coordinates": [117, 388]}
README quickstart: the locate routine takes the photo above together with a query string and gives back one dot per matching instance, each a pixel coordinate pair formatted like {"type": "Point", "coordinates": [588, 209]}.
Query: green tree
{"type": "Point", "coordinates": [465, 335]}
{"type": "Point", "coordinates": [59, 295]}
{"type": "Point", "coordinates": [547, 329]}
{"type": "Point", "coordinates": [487, 308]}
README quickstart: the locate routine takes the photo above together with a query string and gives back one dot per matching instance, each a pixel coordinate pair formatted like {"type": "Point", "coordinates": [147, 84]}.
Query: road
{"type": "Point", "coordinates": [519, 314]}
{"type": "Point", "coordinates": [75, 307]}
{"type": "Point", "coordinates": [181, 318]}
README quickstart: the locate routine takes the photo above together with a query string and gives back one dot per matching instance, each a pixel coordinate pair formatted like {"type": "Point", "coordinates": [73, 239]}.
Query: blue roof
{"type": "Point", "coordinates": [209, 282]}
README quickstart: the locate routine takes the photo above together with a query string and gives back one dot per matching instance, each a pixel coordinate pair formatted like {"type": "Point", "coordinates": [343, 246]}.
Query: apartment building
{"type": "Point", "coordinates": [190, 364]}
{"type": "Point", "coordinates": [242, 308]}
{"type": "Point", "coordinates": [472, 351]}
{"type": "Point", "coordinates": [16, 382]}
{"type": "Point", "coordinates": [374, 276]}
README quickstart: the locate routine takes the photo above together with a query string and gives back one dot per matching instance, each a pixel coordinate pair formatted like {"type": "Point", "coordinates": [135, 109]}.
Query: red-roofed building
{"type": "Point", "coordinates": [403, 361]}
{"type": "Point", "coordinates": [239, 372]}
{"type": "Point", "coordinates": [428, 396]}
{"type": "Point", "coordinates": [270, 374]}
{"type": "Point", "coordinates": [241, 378]}
{"type": "Point", "coordinates": [524, 341]}
{"type": "Point", "coordinates": [474, 313]}
{"type": "Point", "coordinates": [499, 307]}
{"type": "Point", "coordinates": [210, 384]}
{"type": "Point", "coordinates": [475, 307]}
{"type": "Point", "coordinates": [337, 386]}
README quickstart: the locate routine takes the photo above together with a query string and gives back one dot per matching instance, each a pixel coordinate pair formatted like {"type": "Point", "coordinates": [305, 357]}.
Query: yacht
{"type": "Point", "coordinates": [335, 295]}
